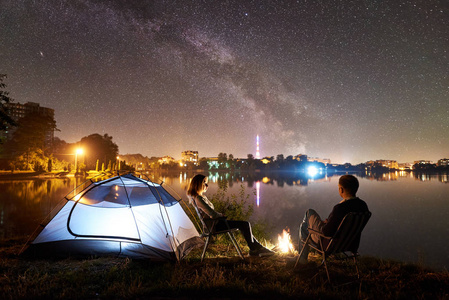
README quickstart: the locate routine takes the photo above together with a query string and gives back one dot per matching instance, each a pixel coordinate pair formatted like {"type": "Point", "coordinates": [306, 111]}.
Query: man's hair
{"type": "Point", "coordinates": [195, 185]}
{"type": "Point", "coordinates": [349, 183]}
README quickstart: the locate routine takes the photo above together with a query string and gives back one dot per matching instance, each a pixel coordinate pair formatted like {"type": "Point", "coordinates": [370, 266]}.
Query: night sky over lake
{"type": "Point", "coordinates": [346, 80]}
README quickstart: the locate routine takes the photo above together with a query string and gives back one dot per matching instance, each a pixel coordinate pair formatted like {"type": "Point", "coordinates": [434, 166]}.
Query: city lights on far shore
{"type": "Point", "coordinates": [312, 171]}
{"type": "Point", "coordinates": [266, 180]}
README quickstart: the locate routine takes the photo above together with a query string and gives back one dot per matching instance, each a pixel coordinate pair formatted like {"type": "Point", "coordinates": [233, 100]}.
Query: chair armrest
{"type": "Point", "coordinates": [313, 231]}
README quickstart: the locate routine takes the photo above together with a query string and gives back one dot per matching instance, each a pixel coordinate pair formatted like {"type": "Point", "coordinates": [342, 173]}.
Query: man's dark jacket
{"type": "Point", "coordinates": [338, 213]}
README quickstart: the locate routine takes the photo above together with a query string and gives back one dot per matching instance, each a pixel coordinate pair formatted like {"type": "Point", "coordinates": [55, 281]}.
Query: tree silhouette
{"type": "Point", "coordinates": [99, 147]}
{"type": "Point", "coordinates": [5, 120]}
{"type": "Point", "coordinates": [31, 135]}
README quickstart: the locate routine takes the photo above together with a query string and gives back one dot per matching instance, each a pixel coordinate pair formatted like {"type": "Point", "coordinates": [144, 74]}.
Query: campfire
{"type": "Point", "coordinates": [285, 244]}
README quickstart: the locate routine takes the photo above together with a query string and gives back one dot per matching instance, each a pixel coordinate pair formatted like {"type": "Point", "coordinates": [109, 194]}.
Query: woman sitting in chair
{"type": "Point", "coordinates": [197, 188]}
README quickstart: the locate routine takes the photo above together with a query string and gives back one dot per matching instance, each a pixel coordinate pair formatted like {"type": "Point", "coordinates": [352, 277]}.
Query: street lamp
{"type": "Point", "coordinates": [79, 151]}
{"type": "Point", "coordinates": [118, 163]}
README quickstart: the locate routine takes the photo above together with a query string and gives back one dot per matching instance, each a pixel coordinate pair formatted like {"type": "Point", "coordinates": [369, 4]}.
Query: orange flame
{"type": "Point", "coordinates": [285, 244]}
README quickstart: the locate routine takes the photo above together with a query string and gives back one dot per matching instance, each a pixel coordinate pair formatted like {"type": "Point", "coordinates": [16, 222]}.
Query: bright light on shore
{"type": "Point", "coordinates": [312, 171]}
{"type": "Point", "coordinates": [79, 151]}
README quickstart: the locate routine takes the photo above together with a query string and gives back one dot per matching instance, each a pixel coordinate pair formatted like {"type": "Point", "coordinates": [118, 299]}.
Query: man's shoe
{"type": "Point", "coordinates": [261, 252]}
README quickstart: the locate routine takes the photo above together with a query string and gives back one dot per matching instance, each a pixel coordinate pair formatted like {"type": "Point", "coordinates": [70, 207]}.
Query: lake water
{"type": "Point", "coordinates": [410, 220]}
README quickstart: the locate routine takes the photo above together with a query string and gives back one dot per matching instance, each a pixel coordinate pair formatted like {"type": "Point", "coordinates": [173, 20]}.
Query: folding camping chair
{"type": "Point", "coordinates": [209, 231]}
{"type": "Point", "coordinates": [350, 227]}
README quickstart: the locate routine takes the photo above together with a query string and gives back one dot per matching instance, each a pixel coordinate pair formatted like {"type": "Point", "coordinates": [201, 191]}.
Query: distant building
{"type": "Point", "coordinates": [325, 161]}
{"type": "Point", "coordinates": [212, 161]}
{"type": "Point", "coordinates": [17, 111]}
{"type": "Point", "coordinates": [189, 156]}
{"type": "Point", "coordinates": [301, 157]}
{"type": "Point", "coordinates": [422, 162]}
{"type": "Point", "coordinates": [267, 160]}
{"type": "Point", "coordinates": [443, 162]}
{"type": "Point", "coordinates": [370, 163]}
{"type": "Point", "coordinates": [391, 164]}
{"type": "Point", "coordinates": [405, 166]}
{"type": "Point", "coordinates": [304, 158]}
{"type": "Point", "coordinates": [166, 160]}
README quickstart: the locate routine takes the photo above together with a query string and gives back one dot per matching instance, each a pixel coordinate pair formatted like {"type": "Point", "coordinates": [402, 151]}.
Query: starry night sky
{"type": "Point", "coordinates": [346, 80]}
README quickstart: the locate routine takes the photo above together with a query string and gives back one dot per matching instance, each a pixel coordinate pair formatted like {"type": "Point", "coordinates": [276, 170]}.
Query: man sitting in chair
{"type": "Point", "coordinates": [347, 188]}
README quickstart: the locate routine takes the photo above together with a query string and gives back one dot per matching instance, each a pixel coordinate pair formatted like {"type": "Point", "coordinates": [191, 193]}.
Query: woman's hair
{"type": "Point", "coordinates": [195, 185]}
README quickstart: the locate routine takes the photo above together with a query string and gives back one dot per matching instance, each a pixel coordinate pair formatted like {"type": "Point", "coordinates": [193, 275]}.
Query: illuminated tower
{"type": "Point", "coordinates": [257, 148]}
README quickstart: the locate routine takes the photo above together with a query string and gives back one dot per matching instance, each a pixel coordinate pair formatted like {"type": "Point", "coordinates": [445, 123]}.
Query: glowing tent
{"type": "Point", "coordinates": [123, 216]}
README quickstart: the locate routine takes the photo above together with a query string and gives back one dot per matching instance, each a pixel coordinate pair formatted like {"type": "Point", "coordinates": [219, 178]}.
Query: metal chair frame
{"type": "Point", "coordinates": [351, 225]}
{"type": "Point", "coordinates": [209, 231]}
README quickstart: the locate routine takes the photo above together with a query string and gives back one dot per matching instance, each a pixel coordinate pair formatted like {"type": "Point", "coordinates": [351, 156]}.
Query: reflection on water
{"type": "Point", "coordinates": [410, 210]}
{"type": "Point", "coordinates": [24, 203]}
{"type": "Point", "coordinates": [258, 193]}
{"type": "Point", "coordinates": [441, 177]}
{"type": "Point", "coordinates": [427, 177]}
{"type": "Point", "coordinates": [296, 178]}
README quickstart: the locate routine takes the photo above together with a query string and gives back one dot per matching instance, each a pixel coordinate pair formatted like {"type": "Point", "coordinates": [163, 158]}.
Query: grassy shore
{"type": "Point", "coordinates": [222, 276]}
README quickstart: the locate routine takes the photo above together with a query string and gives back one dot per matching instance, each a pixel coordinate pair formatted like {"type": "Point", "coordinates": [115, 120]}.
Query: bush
{"type": "Point", "coordinates": [235, 207]}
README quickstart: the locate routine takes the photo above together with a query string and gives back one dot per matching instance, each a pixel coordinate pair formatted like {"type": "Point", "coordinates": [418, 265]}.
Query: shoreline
{"type": "Point", "coordinates": [65, 174]}
{"type": "Point", "coordinates": [8, 175]}
{"type": "Point", "coordinates": [221, 276]}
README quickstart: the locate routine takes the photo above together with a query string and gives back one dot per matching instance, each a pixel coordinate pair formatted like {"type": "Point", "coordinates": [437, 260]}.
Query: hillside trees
{"type": "Point", "coordinates": [32, 133]}
{"type": "Point", "coordinates": [30, 144]}
{"type": "Point", "coordinates": [5, 120]}
{"type": "Point", "coordinates": [222, 160]}
{"type": "Point", "coordinates": [98, 147]}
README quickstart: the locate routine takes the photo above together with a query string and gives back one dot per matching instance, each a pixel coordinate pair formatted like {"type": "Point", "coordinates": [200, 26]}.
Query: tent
{"type": "Point", "coordinates": [124, 216]}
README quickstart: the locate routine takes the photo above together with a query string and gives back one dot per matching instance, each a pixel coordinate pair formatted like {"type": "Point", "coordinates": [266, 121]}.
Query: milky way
{"type": "Point", "coordinates": [346, 80]}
